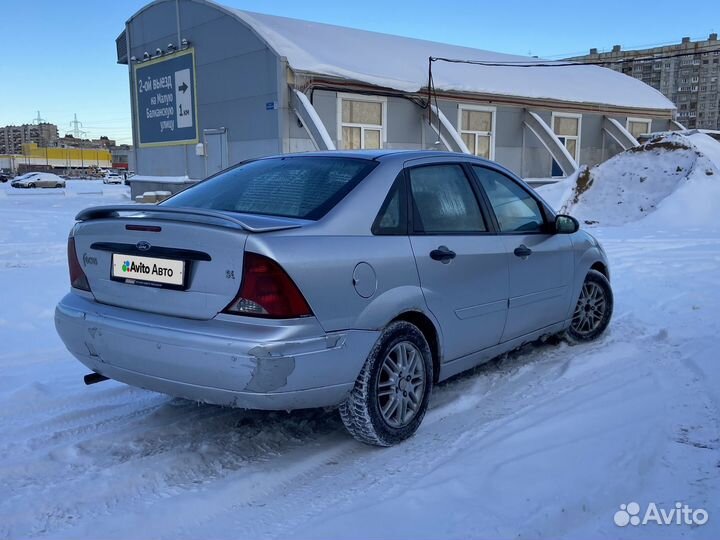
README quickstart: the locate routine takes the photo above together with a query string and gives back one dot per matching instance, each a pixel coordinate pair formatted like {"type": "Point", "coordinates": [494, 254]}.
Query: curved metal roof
{"type": "Point", "coordinates": [401, 63]}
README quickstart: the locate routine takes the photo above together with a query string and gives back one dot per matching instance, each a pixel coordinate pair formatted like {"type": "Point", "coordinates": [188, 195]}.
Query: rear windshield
{"type": "Point", "coordinates": [297, 187]}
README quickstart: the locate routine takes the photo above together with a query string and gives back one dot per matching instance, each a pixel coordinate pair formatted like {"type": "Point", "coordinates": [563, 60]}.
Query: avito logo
{"type": "Point", "coordinates": [142, 268]}
{"type": "Point", "coordinates": [681, 514]}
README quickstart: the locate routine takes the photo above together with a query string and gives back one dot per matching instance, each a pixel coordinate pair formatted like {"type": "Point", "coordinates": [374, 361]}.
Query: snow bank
{"type": "Point", "coordinates": [671, 179]}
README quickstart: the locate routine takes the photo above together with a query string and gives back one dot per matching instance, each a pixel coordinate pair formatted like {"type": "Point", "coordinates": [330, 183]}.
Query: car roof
{"type": "Point", "coordinates": [383, 154]}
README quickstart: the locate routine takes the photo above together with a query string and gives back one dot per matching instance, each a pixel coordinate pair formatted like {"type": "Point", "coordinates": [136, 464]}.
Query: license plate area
{"type": "Point", "coordinates": [149, 271]}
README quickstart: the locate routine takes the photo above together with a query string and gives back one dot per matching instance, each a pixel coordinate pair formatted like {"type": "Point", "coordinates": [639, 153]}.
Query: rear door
{"type": "Point", "coordinates": [540, 262]}
{"type": "Point", "coordinates": [462, 264]}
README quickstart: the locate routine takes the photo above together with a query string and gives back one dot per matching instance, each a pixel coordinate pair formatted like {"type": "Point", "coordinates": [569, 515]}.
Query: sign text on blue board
{"type": "Point", "coordinates": [165, 101]}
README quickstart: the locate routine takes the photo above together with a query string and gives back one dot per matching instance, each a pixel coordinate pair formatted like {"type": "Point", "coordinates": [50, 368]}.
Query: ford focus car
{"type": "Point", "coordinates": [349, 279]}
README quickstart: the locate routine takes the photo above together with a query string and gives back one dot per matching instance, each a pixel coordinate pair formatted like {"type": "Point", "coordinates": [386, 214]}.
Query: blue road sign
{"type": "Point", "coordinates": [166, 101]}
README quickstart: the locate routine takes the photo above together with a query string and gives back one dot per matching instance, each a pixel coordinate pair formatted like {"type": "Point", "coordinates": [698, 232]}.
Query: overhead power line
{"type": "Point", "coordinates": [567, 63]}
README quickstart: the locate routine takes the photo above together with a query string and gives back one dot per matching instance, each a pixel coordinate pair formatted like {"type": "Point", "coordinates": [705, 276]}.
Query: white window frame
{"type": "Point", "coordinates": [647, 121]}
{"type": "Point", "coordinates": [577, 137]}
{"type": "Point", "coordinates": [361, 97]}
{"type": "Point", "coordinates": [482, 108]}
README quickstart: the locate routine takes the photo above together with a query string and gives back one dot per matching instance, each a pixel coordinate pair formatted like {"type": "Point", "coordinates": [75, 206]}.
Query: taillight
{"type": "Point", "coordinates": [267, 291]}
{"type": "Point", "coordinates": [78, 279]}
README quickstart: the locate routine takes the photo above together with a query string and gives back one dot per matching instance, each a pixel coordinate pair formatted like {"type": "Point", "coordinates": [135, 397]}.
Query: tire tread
{"type": "Point", "coordinates": [355, 411]}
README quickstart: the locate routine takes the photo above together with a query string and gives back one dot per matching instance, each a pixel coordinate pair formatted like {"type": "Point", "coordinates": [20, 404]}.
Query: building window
{"type": "Point", "coordinates": [638, 126]}
{"type": "Point", "coordinates": [477, 129]}
{"type": "Point", "coordinates": [567, 128]}
{"type": "Point", "coordinates": [361, 121]}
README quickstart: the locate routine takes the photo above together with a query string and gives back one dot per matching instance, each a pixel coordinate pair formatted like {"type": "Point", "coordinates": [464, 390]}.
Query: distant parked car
{"type": "Point", "coordinates": [38, 179]}
{"type": "Point", "coordinates": [4, 178]}
{"type": "Point", "coordinates": [112, 178]}
{"type": "Point", "coordinates": [349, 279]}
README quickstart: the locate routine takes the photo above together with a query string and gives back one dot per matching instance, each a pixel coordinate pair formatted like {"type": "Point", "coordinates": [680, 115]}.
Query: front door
{"type": "Point", "coordinates": [540, 263]}
{"type": "Point", "coordinates": [216, 151]}
{"type": "Point", "coordinates": [463, 267]}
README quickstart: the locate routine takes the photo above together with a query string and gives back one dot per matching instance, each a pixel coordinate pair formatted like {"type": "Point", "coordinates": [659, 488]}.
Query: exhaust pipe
{"type": "Point", "coordinates": [93, 378]}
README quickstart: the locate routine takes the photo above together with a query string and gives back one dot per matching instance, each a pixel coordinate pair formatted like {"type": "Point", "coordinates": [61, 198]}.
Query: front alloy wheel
{"type": "Point", "coordinates": [593, 309]}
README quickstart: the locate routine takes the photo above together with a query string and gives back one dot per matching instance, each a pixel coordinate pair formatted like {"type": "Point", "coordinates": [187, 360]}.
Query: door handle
{"type": "Point", "coordinates": [442, 254]}
{"type": "Point", "coordinates": [522, 251]}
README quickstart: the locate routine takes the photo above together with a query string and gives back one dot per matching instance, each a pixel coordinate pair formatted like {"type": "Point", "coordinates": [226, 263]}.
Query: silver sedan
{"type": "Point", "coordinates": [349, 279]}
{"type": "Point", "coordinates": [38, 179]}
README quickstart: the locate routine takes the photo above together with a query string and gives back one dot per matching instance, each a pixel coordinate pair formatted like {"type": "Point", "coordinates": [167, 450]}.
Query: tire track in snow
{"type": "Point", "coordinates": [490, 382]}
{"type": "Point", "coordinates": [93, 445]}
{"type": "Point", "coordinates": [488, 397]}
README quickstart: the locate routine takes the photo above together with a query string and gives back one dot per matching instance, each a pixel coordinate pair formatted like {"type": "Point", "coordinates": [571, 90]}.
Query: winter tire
{"type": "Point", "coordinates": [392, 392]}
{"type": "Point", "coordinates": [593, 309]}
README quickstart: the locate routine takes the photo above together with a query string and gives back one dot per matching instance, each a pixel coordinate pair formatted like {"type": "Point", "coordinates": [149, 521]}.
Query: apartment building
{"type": "Point", "coordinates": [687, 73]}
{"type": "Point", "coordinates": [12, 138]}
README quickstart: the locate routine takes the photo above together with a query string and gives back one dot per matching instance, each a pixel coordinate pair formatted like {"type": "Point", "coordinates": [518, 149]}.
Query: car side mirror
{"type": "Point", "coordinates": [565, 224]}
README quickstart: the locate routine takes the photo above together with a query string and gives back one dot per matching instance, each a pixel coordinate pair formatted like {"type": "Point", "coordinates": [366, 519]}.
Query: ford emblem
{"type": "Point", "coordinates": [143, 246]}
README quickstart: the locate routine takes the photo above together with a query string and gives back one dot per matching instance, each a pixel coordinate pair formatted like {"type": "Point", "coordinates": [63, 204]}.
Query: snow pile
{"type": "Point", "coordinates": [673, 178]}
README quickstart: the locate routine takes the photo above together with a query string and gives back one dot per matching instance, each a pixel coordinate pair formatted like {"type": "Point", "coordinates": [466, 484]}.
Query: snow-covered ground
{"type": "Point", "coordinates": [547, 442]}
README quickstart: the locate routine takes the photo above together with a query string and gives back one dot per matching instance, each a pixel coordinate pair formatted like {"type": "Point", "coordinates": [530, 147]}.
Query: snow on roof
{"type": "Point", "coordinates": [401, 63]}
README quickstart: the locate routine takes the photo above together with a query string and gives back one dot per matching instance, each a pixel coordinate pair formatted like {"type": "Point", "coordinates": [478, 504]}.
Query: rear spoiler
{"type": "Point", "coordinates": [250, 223]}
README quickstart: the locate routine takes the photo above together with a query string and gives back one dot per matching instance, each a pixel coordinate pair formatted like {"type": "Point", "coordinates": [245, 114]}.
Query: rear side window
{"type": "Point", "coordinates": [515, 209]}
{"type": "Point", "coordinates": [443, 201]}
{"type": "Point", "coordinates": [297, 187]}
{"type": "Point", "coordinates": [392, 218]}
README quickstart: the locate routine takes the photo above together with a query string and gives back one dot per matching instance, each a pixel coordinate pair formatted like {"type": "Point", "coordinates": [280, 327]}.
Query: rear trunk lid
{"type": "Point", "coordinates": [202, 249]}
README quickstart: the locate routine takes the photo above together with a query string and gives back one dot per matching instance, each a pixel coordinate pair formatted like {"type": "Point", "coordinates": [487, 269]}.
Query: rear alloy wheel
{"type": "Point", "coordinates": [593, 309]}
{"type": "Point", "coordinates": [392, 392]}
{"type": "Point", "coordinates": [58, 185]}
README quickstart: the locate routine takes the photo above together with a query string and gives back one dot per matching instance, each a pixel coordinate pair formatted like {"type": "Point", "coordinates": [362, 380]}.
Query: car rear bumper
{"type": "Point", "coordinates": [254, 364]}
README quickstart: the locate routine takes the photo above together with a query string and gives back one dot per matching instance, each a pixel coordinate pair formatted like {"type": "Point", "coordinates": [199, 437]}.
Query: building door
{"type": "Point", "coordinates": [216, 150]}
